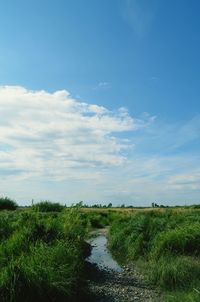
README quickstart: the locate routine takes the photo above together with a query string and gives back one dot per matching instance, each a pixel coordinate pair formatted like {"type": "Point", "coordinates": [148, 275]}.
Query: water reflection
{"type": "Point", "coordinates": [101, 256]}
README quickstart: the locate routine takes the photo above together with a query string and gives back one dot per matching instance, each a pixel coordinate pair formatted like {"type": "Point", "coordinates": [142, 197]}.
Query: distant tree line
{"type": "Point", "coordinates": [99, 205]}
{"type": "Point", "coordinates": [155, 205]}
{"type": "Point", "coordinates": [7, 203]}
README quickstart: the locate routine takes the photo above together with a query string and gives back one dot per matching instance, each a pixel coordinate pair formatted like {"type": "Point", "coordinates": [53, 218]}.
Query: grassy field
{"type": "Point", "coordinates": [43, 249]}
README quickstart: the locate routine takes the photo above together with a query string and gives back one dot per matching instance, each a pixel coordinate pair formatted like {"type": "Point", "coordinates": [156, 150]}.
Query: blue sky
{"type": "Point", "coordinates": [99, 101]}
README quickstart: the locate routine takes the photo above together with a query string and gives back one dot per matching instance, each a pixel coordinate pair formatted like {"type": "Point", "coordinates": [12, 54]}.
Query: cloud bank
{"type": "Point", "coordinates": [55, 136]}
{"type": "Point", "coordinates": [55, 147]}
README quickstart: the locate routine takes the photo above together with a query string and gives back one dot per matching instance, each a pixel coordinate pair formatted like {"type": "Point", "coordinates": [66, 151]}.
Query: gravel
{"type": "Point", "coordinates": [127, 286]}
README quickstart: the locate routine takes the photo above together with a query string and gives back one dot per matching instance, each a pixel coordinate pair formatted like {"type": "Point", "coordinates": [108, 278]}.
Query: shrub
{"type": "Point", "coordinates": [7, 204]}
{"type": "Point", "coordinates": [47, 206]}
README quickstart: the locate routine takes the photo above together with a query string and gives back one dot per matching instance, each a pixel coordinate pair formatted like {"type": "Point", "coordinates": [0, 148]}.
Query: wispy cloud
{"type": "Point", "coordinates": [102, 85]}
{"type": "Point", "coordinates": [189, 181]}
{"type": "Point", "coordinates": [139, 14]}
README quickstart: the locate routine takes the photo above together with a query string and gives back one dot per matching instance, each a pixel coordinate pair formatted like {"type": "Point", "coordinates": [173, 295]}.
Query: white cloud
{"type": "Point", "coordinates": [53, 146]}
{"type": "Point", "coordinates": [55, 136]}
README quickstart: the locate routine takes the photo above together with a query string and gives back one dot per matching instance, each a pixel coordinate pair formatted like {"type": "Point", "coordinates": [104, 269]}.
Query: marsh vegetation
{"type": "Point", "coordinates": [42, 255]}
{"type": "Point", "coordinates": [166, 246]}
{"type": "Point", "coordinates": [43, 250]}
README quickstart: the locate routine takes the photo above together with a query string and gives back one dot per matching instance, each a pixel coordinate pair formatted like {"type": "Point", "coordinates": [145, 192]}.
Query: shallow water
{"type": "Point", "coordinates": [101, 256]}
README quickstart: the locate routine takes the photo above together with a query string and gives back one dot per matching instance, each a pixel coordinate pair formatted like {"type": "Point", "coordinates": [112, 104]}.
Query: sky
{"type": "Point", "coordinates": [100, 101]}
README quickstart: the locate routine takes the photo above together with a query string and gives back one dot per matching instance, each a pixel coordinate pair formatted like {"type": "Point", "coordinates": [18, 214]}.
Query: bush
{"type": "Point", "coordinates": [7, 204]}
{"type": "Point", "coordinates": [47, 206]}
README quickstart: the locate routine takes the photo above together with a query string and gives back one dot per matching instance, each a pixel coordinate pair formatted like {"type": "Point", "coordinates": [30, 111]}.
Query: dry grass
{"type": "Point", "coordinates": [134, 210]}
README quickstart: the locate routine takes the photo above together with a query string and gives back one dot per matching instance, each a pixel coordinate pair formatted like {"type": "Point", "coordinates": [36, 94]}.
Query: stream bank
{"type": "Point", "coordinates": [108, 282]}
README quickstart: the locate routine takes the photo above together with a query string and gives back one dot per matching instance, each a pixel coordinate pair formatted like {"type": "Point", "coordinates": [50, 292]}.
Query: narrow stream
{"type": "Point", "coordinates": [100, 254]}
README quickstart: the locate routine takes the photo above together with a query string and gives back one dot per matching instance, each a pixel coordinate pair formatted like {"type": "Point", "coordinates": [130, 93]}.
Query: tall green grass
{"type": "Point", "coordinates": [42, 256]}
{"type": "Point", "coordinates": [168, 242]}
{"type": "Point", "coordinates": [100, 219]}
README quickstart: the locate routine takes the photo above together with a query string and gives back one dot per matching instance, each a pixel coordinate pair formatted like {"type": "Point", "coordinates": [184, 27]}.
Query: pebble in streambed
{"type": "Point", "coordinates": [110, 282]}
